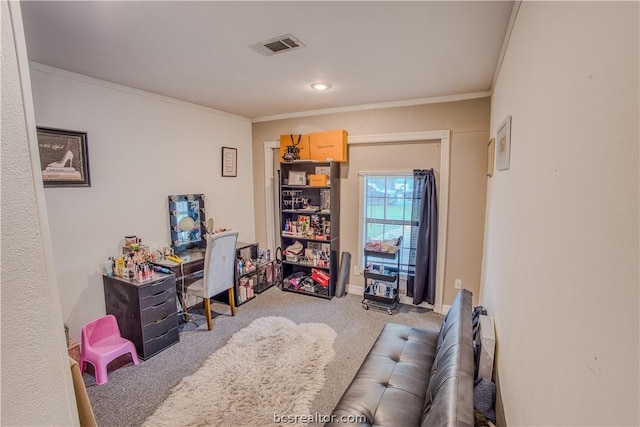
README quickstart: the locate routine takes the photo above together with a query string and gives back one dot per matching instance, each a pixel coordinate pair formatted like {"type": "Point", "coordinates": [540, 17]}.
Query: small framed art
{"type": "Point", "coordinates": [491, 156]}
{"type": "Point", "coordinates": [229, 161]}
{"type": "Point", "coordinates": [297, 178]}
{"type": "Point", "coordinates": [64, 157]}
{"type": "Point", "coordinates": [503, 140]}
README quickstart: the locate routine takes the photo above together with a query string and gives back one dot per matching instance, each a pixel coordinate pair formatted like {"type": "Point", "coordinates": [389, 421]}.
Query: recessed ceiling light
{"type": "Point", "coordinates": [319, 86]}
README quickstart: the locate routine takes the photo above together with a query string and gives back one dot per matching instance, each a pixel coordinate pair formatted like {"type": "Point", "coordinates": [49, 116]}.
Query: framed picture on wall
{"type": "Point", "coordinates": [503, 147]}
{"type": "Point", "coordinates": [64, 157]}
{"type": "Point", "coordinates": [229, 161]}
{"type": "Point", "coordinates": [491, 156]}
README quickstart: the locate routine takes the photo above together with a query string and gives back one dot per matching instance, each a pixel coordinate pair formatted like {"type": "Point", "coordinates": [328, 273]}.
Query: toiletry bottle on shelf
{"type": "Point", "coordinates": [108, 267]}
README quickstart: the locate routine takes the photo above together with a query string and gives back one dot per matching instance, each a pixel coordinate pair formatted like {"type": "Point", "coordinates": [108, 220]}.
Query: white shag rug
{"type": "Point", "coordinates": [273, 366]}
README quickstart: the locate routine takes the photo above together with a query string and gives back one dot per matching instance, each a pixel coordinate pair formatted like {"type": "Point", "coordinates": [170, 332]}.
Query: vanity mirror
{"type": "Point", "coordinates": [187, 221]}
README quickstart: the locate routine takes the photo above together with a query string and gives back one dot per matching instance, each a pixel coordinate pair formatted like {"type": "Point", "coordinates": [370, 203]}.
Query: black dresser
{"type": "Point", "coordinates": [146, 312]}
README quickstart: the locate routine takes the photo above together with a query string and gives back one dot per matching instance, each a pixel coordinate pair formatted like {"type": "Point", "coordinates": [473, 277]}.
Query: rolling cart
{"type": "Point", "coordinates": [381, 279]}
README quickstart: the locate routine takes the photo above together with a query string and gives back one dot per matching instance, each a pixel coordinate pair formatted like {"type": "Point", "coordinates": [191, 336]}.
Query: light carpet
{"type": "Point", "coordinates": [272, 367]}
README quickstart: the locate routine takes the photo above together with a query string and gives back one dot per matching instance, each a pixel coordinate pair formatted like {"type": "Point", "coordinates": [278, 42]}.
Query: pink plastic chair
{"type": "Point", "coordinates": [101, 344]}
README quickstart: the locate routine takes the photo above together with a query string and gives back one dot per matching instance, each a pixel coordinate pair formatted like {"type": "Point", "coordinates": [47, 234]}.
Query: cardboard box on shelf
{"type": "Point", "coordinates": [318, 180]}
{"type": "Point", "coordinates": [320, 277]}
{"type": "Point", "coordinates": [328, 146]}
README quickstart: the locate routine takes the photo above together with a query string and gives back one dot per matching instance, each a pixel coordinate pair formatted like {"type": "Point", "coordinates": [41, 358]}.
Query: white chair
{"type": "Point", "coordinates": [219, 271]}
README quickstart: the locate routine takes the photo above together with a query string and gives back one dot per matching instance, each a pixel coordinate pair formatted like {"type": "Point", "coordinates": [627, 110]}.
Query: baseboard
{"type": "Point", "coordinates": [445, 309]}
{"type": "Point", "coordinates": [359, 290]}
{"type": "Point", "coordinates": [501, 419]}
{"type": "Point", "coordinates": [356, 290]}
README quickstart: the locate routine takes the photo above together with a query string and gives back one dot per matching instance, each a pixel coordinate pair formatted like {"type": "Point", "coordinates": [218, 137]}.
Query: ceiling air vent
{"type": "Point", "coordinates": [280, 44]}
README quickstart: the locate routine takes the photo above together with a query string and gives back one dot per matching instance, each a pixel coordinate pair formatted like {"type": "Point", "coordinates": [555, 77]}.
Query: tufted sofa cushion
{"type": "Point", "coordinates": [390, 387]}
{"type": "Point", "coordinates": [415, 377]}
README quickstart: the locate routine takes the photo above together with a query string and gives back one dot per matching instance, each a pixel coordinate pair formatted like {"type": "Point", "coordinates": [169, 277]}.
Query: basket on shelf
{"type": "Point", "coordinates": [294, 280]}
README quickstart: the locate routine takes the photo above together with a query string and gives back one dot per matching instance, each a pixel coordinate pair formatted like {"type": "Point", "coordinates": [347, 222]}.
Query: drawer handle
{"type": "Point", "coordinates": [160, 304]}
{"type": "Point", "coordinates": [162, 336]}
{"type": "Point", "coordinates": [161, 292]}
{"type": "Point", "coordinates": [157, 283]}
{"type": "Point", "coordinates": [161, 320]}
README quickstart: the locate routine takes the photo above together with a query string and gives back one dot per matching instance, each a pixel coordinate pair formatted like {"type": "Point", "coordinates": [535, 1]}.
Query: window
{"type": "Point", "coordinates": [388, 203]}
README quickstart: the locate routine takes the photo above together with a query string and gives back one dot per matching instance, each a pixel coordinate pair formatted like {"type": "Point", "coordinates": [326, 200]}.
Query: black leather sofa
{"type": "Point", "coordinates": [415, 377]}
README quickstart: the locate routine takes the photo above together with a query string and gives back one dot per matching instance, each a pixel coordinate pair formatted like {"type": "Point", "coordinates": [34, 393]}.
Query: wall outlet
{"type": "Point", "coordinates": [458, 284]}
{"type": "Point", "coordinates": [357, 270]}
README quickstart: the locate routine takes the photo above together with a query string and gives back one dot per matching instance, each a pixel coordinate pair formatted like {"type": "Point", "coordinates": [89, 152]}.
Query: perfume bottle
{"type": "Point", "coordinates": [108, 267]}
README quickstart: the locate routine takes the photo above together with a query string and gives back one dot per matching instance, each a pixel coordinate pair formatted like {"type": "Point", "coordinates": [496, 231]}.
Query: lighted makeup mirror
{"type": "Point", "coordinates": [186, 224]}
{"type": "Point", "coordinates": [186, 220]}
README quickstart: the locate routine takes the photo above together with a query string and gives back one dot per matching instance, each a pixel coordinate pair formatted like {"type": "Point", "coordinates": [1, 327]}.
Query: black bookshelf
{"type": "Point", "coordinates": [310, 215]}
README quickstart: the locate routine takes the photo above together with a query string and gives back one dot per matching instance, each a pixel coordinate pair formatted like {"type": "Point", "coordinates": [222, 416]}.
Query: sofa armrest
{"type": "Point", "coordinates": [449, 399]}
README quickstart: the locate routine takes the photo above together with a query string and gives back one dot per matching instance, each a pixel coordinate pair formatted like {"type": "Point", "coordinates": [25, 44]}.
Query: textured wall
{"type": "Point", "coordinates": [561, 256]}
{"type": "Point", "coordinates": [36, 382]}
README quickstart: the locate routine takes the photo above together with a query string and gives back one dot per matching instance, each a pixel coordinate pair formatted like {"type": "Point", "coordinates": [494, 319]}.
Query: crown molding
{"type": "Point", "coordinates": [48, 69]}
{"type": "Point", "coordinates": [505, 43]}
{"type": "Point", "coordinates": [376, 106]}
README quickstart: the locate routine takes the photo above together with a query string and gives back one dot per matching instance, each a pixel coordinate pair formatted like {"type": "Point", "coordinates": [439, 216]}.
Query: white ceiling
{"type": "Point", "coordinates": [371, 52]}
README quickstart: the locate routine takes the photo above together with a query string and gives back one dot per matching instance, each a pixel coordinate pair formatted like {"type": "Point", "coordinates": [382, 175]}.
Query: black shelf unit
{"type": "Point", "coordinates": [267, 275]}
{"type": "Point", "coordinates": [381, 287]}
{"type": "Point", "coordinates": [246, 280]}
{"type": "Point", "coordinates": [256, 281]}
{"type": "Point", "coordinates": [262, 275]}
{"type": "Point", "coordinates": [325, 242]}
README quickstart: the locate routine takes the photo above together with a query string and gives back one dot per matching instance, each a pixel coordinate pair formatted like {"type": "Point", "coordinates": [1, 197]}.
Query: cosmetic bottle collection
{"type": "Point", "coordinates": [136, 262]}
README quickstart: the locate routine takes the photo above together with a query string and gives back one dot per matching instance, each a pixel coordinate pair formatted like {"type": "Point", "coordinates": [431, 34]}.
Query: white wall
{"type": "Point", "coordinates": [36, 379]}
{"type": "Point", "coordinates": [142, 148]}
{"type": "Point", "coordinates": [560, 270]}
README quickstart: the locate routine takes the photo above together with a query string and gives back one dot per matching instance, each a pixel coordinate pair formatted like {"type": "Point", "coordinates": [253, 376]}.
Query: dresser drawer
{"type": "Point", "coordinates": [158, 287]}
{"type": "Point", "coordinates": [159, 343]}
{"type": "Point", "coordinates": [157, 299]}
{"type": "Point", "coordinates": [193, 267]}
{"type": "Point", "coordinates": [156, 312]}
{"type": "Point", "coordinates": [160, 326]}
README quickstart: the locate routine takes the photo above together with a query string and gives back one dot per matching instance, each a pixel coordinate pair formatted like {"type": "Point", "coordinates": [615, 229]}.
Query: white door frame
{"type": "Point", "coordinates": [443, 195]}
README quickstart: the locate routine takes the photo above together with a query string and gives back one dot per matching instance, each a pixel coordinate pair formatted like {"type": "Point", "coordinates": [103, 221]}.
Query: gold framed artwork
{"type": "Point", "coordinates": [503, 141]}
{"type": "Point", "coordinates": [491, 156]}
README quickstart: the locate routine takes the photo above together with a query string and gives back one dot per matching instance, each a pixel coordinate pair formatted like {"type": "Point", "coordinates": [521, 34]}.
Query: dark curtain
{"type": "Point", "coordinates": [421, 282]}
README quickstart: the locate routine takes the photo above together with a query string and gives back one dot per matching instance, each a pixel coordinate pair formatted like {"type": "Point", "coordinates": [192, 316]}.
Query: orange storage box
{"type": "Point", "coordinates": [303, 145]}
{"type": "Point", "coordinates": [328, 146]}
{"type": "Point", "coordinates": [318, 180]}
